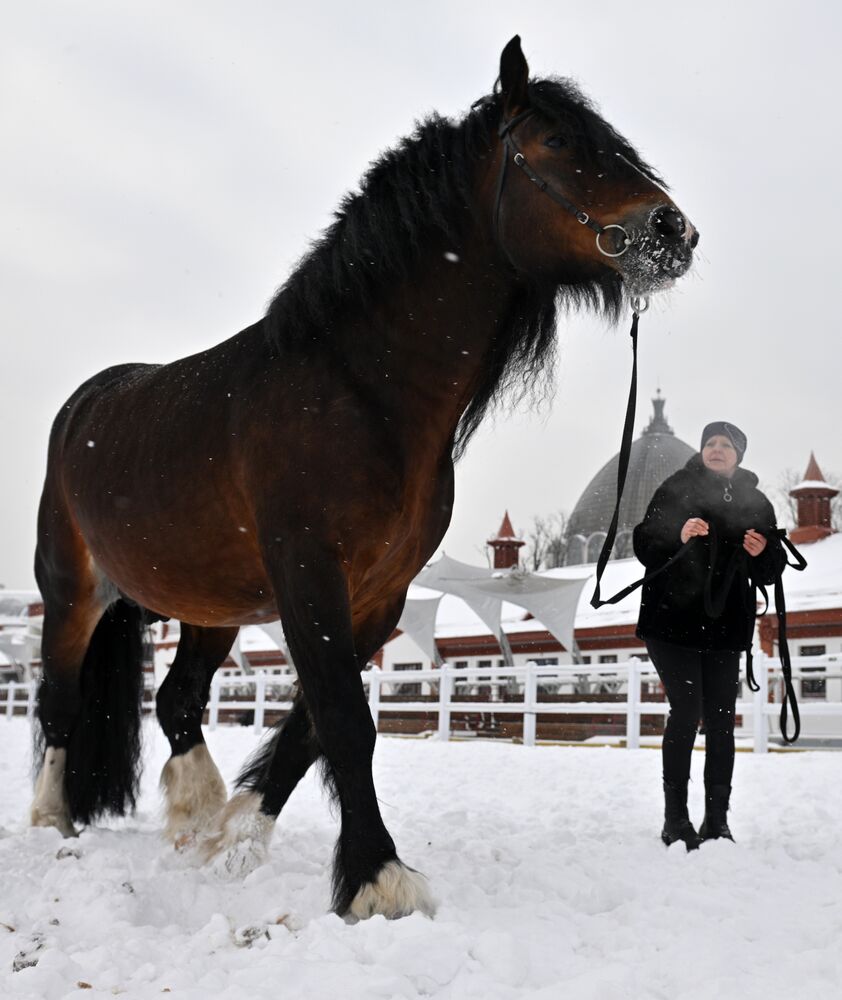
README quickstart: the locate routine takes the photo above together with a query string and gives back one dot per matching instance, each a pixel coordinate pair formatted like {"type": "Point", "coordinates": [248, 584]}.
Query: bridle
{"type": "Point", "coordinates": [511, 149]}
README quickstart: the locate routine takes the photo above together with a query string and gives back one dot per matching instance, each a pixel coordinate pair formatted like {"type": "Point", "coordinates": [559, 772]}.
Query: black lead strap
{"type": "Point", "coordinates": [786, 668]}
{"type": "Point", "coordinates": [783, 646]}
{"type": "Point", "coordinates": [622, 470]}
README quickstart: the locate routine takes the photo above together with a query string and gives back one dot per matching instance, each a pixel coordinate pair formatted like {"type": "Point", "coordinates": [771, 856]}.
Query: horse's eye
{"type": "Point", "coordinates": [555, 142]}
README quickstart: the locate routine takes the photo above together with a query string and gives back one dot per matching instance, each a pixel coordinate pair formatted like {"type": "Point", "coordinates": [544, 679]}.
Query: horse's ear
{"type": "Point", "coordinates": [514, 76]}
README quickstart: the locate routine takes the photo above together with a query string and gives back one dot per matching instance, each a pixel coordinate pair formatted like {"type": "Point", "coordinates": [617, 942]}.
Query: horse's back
{"type": "Point", "coordinates": [91, 387]}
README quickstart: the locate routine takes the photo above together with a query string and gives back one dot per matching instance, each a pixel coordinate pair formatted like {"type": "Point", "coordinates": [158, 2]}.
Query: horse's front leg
{"type": "Point", "coordinates": [368, 877]}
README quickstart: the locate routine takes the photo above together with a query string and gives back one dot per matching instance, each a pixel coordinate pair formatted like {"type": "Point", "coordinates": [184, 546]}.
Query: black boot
{"type": "Point", "coordinates": [715, 824]}
{"type": "Point", "coordinates": [677, 825]}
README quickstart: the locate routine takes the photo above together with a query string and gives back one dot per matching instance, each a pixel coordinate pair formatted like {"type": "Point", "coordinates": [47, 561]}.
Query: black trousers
{"type": "Point", "coordinates": [701, 685]}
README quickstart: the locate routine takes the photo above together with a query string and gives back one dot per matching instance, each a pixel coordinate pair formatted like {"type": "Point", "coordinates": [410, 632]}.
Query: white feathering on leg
{"type": "Point", "coordinates": [194, 793]}
{"type": "Point", "coordinates": [239, 842]}
{"type": "Point", "coordinates": [396, 892]}
{"type": "Point", "coordinates": [49, 807]}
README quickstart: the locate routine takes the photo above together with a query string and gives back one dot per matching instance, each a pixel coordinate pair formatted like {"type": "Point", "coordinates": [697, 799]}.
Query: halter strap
{"type": "Point", "coordinates": [511, 149]}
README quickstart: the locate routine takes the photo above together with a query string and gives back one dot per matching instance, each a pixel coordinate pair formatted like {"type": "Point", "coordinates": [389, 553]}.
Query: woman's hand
{"type": "Point", "coordinates": [753, 542]}
{"type": "Point", "coordinates": [694, 526]}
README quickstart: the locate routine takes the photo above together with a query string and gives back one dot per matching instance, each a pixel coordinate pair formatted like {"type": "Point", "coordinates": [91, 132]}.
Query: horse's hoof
{"type": "Point", "coordinates": [60, 820]}
{"type": "Point", "coordinates": [239, 842]}
{"type": "Point", "coordinates": [396, 892]}
{"type": "Point", "coordinates": [195, 794]}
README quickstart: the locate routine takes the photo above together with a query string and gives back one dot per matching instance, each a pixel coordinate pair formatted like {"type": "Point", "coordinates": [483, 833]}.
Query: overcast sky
{"type": "Point", "coordinates": [164, 165]}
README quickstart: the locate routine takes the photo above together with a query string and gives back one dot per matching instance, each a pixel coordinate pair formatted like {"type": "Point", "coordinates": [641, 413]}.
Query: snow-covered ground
{"type": "Point", "coordinates": [546, 863]}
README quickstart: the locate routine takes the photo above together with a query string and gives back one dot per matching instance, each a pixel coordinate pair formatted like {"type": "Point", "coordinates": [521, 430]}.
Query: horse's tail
{"type": "Point", "coordinates": [102, 773]}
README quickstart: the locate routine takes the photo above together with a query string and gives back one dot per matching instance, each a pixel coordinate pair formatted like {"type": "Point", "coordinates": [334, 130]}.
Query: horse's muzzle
{"type": "Point", "coordinates": [660, 251]}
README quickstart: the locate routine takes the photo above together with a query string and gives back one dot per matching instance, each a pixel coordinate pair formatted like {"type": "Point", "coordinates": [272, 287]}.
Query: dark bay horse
{"type": "Point", "coordinates": [303, 469]}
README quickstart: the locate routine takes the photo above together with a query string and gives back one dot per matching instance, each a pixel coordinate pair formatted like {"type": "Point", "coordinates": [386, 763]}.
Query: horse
{"type": "Point", "coordinates": [303, 468]}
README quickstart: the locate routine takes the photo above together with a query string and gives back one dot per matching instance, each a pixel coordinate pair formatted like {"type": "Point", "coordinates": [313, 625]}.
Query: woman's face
{"type": "Point", "coordinates": [719, 455]}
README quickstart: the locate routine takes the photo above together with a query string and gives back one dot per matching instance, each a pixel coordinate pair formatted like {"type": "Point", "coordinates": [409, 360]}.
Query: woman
{"type": "Point", "coordinates": [697, 616]}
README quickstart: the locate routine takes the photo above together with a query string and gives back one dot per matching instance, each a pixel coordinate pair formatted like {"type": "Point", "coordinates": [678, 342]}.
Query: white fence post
{"type": "Point", "coordinates": [530, 705]}
{"type": "Point", "coordinates": [374, 696]}
{"type": "Point", "coordinates": [761, 697]}
{"type": "Point", "coordinates": [259, 702]}
{"type": "Point", "coordinates": [10, 699]}
{"type": "Point", "coordinates": [213, 708]}
{"type": "Point", "coordinates": [445, 691]}
{"type": "Point", "coordinates": [238, 690]}
{"type": "Point", "coordinates": [30, 699]}
{"type": "Point", "coordinates": [633, 699]}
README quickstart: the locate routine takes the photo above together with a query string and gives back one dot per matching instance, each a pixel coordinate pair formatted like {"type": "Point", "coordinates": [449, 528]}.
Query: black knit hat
{"type": "Point", "coordinates": [731, 431]}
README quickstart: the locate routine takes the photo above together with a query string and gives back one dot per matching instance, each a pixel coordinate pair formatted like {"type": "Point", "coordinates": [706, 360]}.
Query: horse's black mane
{"type": "Point", "coordinates": [424, 186]}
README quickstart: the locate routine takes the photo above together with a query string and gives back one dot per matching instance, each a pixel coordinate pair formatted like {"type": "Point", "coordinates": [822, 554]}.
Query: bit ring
{"type": "Point", "coordinates": [626, 241]}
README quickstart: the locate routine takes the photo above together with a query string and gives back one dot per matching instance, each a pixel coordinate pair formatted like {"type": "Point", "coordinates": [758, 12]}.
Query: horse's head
{"type": "Point", "coordinates": [574, 202]}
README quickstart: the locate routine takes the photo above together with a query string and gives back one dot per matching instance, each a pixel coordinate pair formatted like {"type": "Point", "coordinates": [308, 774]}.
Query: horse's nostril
{"type": "Point", "coordinates": [668, 222]}
{"type": "Point", "coordinates": [694, 239]}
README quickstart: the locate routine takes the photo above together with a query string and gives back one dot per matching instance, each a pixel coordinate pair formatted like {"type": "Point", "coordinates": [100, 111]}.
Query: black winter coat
{"type": "Point", "coordinates": [672, 606]}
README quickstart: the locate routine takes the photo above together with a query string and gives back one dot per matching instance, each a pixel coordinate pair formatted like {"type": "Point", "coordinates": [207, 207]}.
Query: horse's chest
{"type": "Point", "coordinates": [399, 544]}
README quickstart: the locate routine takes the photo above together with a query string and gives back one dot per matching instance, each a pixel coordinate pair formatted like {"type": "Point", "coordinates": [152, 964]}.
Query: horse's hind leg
{"type": "Point", "coordinates": [194, 789]}
{"type": "Point", "coordinates": [73, 604]}
{"type": "Point", "coordinates": [271, 775]}
{"type": "Point", "coordinates": [282, 762]}
{"type": "Point", "coordinates": [266, 782]}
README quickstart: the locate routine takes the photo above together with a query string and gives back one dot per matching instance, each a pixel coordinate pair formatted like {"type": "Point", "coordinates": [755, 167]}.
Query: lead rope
{"type": "Point", "coordinates": [714, 608]}
{"type": "Point", "coordinates": [638, 306]}
{"type": "Point", "coordinates": [783, 646]}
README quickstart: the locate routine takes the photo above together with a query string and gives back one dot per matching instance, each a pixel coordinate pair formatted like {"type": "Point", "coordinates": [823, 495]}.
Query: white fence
{"type": "Point", "coordinates": [261, 682]}
{"type": "Point", "coordinates": [17, 696]}
{"type": "Point", "coordinates": [631, 674]}
{"type": "Point", "coordinates": [251, 693]}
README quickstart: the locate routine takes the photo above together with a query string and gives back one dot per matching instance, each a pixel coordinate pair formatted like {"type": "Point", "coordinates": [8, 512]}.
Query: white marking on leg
{"type": "Point", "coordinates": [396, 892]}
{"type": "Point", "coordinates": [239, 841]}
{"type": "Point", "coordinates": [194, 792]}
{"type": "Point", "coordinates": [49, 807]}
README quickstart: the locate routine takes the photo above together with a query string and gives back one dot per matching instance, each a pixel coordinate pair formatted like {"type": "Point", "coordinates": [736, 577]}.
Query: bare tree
{"type": "Point", "coordinates": [546, 545]}
{"type": "Point", "coordinates": [536, 544]}
{"type": "Point", "coordinates": [786, 507]}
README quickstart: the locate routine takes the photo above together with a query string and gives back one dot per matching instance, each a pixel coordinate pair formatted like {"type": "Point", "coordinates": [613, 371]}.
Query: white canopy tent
{"type": "Point", "coordinates": [552, 602]}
